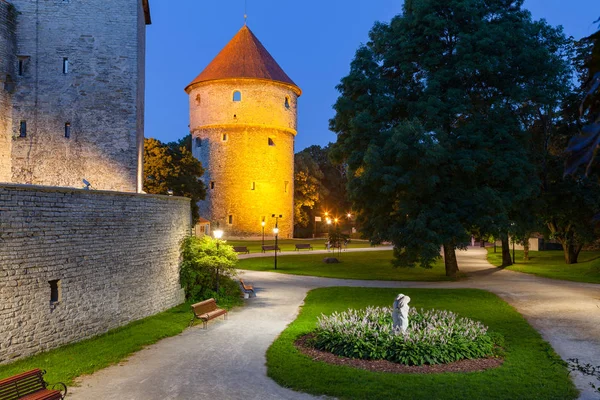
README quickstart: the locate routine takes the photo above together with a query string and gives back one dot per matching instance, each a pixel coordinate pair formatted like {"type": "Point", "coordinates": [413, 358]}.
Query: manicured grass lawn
{"type": "Point", "coordinates": [288, 244]}
{"type": "Point", "coordinates": [531, 369]}
{"type": "Point", "coordinates": [360, 265]}
{"type": "Point", "coordinates": [551, 264]}
{"type": "Point", "coordinates": [68, 362]}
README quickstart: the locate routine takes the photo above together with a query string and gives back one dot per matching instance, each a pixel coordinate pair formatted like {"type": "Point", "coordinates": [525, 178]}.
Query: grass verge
{"type": "Point", "coordinates": [531, 369]}
{"type": "Point", "coordinates": [289, 244]}
{"type": "Point", "coordinates": [66, 363]}
{"type": "Point", "coordinates": [373, 265]}
{"type": "Point", "coordinates": [551, 264]}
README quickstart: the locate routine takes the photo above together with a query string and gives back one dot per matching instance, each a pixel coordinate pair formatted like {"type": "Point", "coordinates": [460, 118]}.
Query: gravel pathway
{"type": "Point", "coordinates": [227, 361]}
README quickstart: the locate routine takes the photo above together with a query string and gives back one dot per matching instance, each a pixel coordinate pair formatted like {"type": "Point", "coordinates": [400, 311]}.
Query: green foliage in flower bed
{"type": "Point", "coordinates": [432, 337]}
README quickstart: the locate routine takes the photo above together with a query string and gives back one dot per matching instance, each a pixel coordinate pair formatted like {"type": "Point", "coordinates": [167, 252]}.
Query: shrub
{"type": "Point", "coordinates": [208, 270]}
{"type": "Point", "coordinates": [432, 337]}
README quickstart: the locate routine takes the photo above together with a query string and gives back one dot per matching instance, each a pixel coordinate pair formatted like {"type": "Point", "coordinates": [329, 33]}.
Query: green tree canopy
{"type": "Point", "coordinates": [432, 121]}
{"type": "Point", "coordinates": [320, 185]}
{"type": "Point", "coordinates": [308, 187]}
{"type": "Point", "coordinates": [206, 261]}
{"type": "Point", "coordinates": [173, 167]}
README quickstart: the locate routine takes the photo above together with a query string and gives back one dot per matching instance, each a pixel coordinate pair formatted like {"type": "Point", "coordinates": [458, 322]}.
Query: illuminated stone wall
{"type": "Point", "coordinates": [7, 75]}
{"type": "Point", "coordinates": [101, 95]}
{"type": "Point", "coordinates": [252, 167]}
{"type": "Point", "coordinates": [116, 256]}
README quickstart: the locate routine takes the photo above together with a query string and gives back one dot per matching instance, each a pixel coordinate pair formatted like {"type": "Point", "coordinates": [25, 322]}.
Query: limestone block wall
{"type": "Point", "coordinates": [247, 150]}
{"type": "Point", "coordinates": [83, 65]}
{"type": "Point", "coordinates": [8, 18]}
{"type": "Point", "coordinates": [76, 263]}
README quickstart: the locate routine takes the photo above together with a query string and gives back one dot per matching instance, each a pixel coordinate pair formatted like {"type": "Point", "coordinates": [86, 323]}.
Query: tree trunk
{"type": "Point", "coordinates": [450, 260]}
{"type": "Point", "coordinates": [506, 259]}
{"type": "Point", "coordinates": [571, 253]}
{"type": "Point", "coordinates": [526, 250]}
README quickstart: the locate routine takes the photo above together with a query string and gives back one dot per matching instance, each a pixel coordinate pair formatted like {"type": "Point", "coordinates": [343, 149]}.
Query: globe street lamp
{"type": "Point", "coordinates": [218, 234]}
{"type": "Point", "coordinates": [263, 232]}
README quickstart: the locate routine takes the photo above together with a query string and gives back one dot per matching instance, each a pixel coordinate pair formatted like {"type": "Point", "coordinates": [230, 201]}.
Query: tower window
{"type": "Point", "coordinates": [285, 186]}
{"type": "Point", "coordinates": [212, 184]}
{"type": "Point", "coordinates": [271, 142]}
{"type": "Point", "coordinates": [21, 65]}
{"type": "Point", "coordinates": [198, 100]}
{"type": "Point", "coordinates": [198, 142]}
{"type": "Point", "coordinates": [237, 96]}
{"type": "Point", "coordinates": [224, 137]}
{"type": "Point", "coordinates": [68, 130]}
{"type": "Point", "coordinates": [253, 187]}
{"type": "Point", "coordinates": [287, 102]}
{"type": "Point", "coordinates": [55, 291]}
{"type": "Point", "coordinates": [23, 129]}
{"type": "Point", "coordinates": [65, 65]}
{"type": "Point", "coordinates": [231, 220]}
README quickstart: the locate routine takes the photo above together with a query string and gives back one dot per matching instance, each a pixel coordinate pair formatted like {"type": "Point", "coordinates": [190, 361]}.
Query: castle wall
{"type": "Point", "coordinates": [253, 168]}
{"type": "Point", "coordinates": [100, 96]}
{"type": "Point", "coordinates": [7, 74]}
{"type": "Point", "coordinates": [116, 256]}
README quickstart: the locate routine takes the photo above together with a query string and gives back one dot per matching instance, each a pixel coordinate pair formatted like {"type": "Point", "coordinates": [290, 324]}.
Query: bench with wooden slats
{"type": "Point", "coordinates": [29, 385]}
{"type": "Point", "coordinates": [300, 246]}
{"type": "Point", "coordinates": [270, 248]}
{"type": "Point", "coordinates": [207, 310]}
{"type": "Point", "coordinates": [241, 249]}
{"type": "Point", "coordinates": [246, 288]}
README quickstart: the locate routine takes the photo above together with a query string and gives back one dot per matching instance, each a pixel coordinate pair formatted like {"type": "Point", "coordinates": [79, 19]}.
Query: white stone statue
{"type": "Point", "coordinates": [400, 314]}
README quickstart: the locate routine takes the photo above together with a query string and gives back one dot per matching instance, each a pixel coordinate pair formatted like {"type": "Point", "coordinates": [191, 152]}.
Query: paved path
{"type": "Point", "coordinates": [227, 361]}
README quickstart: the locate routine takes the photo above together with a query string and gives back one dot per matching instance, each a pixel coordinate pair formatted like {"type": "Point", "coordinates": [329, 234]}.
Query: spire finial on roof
{"type": "Point", "coordinates": [245, 11]}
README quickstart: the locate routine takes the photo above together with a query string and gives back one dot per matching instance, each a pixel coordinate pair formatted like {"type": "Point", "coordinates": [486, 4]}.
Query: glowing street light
{"type": "Point", "coordinates": [218, 234]}
{"type": "Point", "coordinates": [263, 231]}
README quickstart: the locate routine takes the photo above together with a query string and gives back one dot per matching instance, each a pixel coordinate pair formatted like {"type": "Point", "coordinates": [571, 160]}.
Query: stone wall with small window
{"type": "Point", "coordinates": [75, 263]}
{"type": "Point", "coordinates": [8, 61]}
{"type": "Point", "coordinates": [80, 93]}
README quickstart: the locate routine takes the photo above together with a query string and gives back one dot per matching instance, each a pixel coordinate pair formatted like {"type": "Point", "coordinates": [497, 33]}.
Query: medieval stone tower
{"type": "Point", "coordinates": [72, 99]}
{"type": "Point", "coordinates": [243, 110]}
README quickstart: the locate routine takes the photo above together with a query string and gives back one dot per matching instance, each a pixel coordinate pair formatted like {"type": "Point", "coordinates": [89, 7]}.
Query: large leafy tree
{"type": "Point", "coordinates": [334, 196]}
{"type": "Point", "coordinates": [173, 168]}
{"type": "Point", "coordinates": [308, 187]}
{"type": "Point", "coordinates": [430, 121]}
{"type": "Point", "coordinates": [583, 148]}
{"type": "Point", "coordinates": [568, 203]}
{"type": "Point", "coordinates": [320, 185]}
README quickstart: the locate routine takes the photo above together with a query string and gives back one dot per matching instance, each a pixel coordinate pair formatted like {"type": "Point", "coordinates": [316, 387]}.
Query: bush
{"type": "Point", "coordinates": [208, 270]}
{"type": "Point", "coordinates": [432, 337]}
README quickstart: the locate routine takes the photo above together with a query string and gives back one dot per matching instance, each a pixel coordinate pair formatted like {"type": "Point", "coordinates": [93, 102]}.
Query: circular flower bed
{"type": "Point", "coordinates": [432, 337]}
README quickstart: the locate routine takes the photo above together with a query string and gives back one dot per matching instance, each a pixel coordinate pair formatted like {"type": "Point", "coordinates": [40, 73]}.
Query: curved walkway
{"type": "Point", "coordinates": [227, 361]}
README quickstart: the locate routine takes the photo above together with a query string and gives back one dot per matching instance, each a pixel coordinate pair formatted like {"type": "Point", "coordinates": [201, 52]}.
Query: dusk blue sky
{"type": "Point", "coordinates": [313, 41]}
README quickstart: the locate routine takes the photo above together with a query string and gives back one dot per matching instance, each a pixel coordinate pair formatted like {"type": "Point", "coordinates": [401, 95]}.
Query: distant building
{"type": "Point", "coordinates": [72, 99]}
{"type": "Point", "coordinates": [243, 110]}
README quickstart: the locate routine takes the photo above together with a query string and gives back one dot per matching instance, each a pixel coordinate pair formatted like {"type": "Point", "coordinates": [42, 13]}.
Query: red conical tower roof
{"type": "Point", "coordinates": [244, 57]}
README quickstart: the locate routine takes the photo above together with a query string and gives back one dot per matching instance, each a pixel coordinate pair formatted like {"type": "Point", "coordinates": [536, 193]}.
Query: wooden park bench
{"type": "Point", "coordinates": [246, 288]}
{"type": "Point", "coordinates": [300, 246]}
{"type": "Point", "coordinates": [241, 249]}
{"type": "Point", "coordinates": [207, 310]}
{"type": "Point", "coordinates": [30, 385]}
{"type": "Point", "coordinates": [270, 248]}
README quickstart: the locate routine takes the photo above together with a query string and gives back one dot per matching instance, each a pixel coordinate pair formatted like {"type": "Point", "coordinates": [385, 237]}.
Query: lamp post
{"type": "Point", "coordinates": [263, 231]}
{"type": "Point", "coordinates": [276, 232]}
{"type": "Point", "coordinates": [218, 234]}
